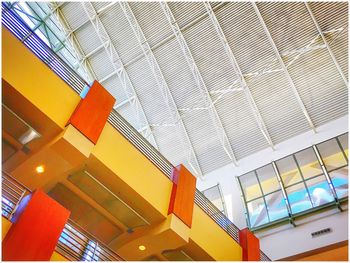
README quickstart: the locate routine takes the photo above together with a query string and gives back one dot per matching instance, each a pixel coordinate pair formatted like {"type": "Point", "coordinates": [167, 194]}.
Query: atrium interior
{"type": "Point", "coordinates": [175, 131]}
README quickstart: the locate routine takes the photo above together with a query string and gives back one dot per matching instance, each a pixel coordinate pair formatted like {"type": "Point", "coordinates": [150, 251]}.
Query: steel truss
{"type": "Point", "coordinates": [199, 83]}
{"type": "Point", "coordinates": [120, 71]}
{"type": "Point", "coordinates": [243, 83]}
{"type": "Point", "coordinates": [289, 78]}
{"type": "Point", "coordinates": [163, 87]}
{"type": "Point", "coordinates": [84, 63]}
{"type": "Point", "coordinates": [327, 45]}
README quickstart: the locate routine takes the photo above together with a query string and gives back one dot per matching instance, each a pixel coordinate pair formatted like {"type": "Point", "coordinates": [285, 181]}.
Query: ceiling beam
{"type": "Point", "coordinates": [163, 87]}
{"type": "Point", "coordinates": [71, 38]}
{"type": "Point", "coordinates": [326, 43]}
{"type": "Point", "coordinates": [118, 67]}
{"type": "Point", "coordinates": [199, 82]}
{"type": "Point", "coordinates": [243, 83]}
{"type": "Point", "coordinates": [289, 78]}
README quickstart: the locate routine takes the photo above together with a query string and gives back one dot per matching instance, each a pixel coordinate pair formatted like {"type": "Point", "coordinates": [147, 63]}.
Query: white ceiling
{"type": "Point", "coordinates": [217, 91]}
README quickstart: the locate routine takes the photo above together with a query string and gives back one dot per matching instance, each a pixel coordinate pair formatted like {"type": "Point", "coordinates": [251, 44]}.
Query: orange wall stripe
{"type": "Point", "coordinates": [91, 114]}
{"type": "Point", "coordinates": [250, 245]}
{"type": "Point", "coordinates": [36, 229]}
{"type": "Point", "coordinates": [182, 194]}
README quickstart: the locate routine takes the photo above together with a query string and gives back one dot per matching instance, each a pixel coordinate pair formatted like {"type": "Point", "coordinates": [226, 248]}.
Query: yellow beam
{"type": "Point", "coordinates": [35, 81]}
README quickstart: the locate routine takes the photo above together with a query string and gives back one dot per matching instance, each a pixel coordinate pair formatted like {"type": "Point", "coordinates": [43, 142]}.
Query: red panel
{"type": "Point", "coordinates": [91, 114]}
{"type": "Point", "coordinates": [182, 195]}
{"type": "Point", "coordinates": [250, 245]}
{"type": "Point", "coordinates": [34, 234]}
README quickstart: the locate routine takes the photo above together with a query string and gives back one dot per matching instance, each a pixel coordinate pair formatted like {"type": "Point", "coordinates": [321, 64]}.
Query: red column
{"type": "Point", "coordinates": [37, 226]}
{"type": "Point", "coordinates": [182, 194]}
{"type": "Point", "coordinates": [250, 245]}
{"type": "Point", "coordinates": [91, 114]}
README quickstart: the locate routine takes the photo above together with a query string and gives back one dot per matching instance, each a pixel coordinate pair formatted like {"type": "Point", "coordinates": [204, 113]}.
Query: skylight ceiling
{"type": "Point", "coordinates": [209, 84]}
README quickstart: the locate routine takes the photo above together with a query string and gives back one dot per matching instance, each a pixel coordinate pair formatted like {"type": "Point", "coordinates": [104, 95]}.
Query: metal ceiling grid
{"type": "Point", "coordinates": [186, 12]}
{"type": "Point", "coordinates": [101, 64]}
{"type": "Point", "coordinates": [269, 100]}
{"type": "Point", "coordinates": [200, 84]}
{"type": "Point", "coordinates": [314, 73]}
{"type": "Point", "coordinates": [267, 97]}
{"type": "Point", "coordinates": [120, 32]}
{"type": "Point", "coordinates": [320, 86]}
{"type": "Point", "coordinates": [162, 85]}
{"type": "Point", "coordinates": [238, 121]}
{"type": "Point", "coordinates": [151, 20]}
{"type": "Point", "coordinates": [83, 65]}
{"type": "Point", "coordinates": [88, 39]}
{"type": "Point", "coordinates": [74, 14]}
{"type": "Point", "coordinates": [286, 24]}
{"type": "Point", "coordinates": [333, 20]}
{"type": "Point", "coordinates": [99, 5]}
{"type": "Point", "coordinates": [170, 145]}
{"type": "Point", "coordinates": [150, 98]}
{"type": "Point", "coordinates": [209, 54]}
{"type": "Point", "coordinates": [246, 39]}
{"type": "Point", "coordinates": [277, 47]}
{"type": "Point", "coordinates": [127, 113]}
{"type": "Point", "coordinates": [211, 155]}
{"type": "Point", "coordinates": [175, 69]}
{"type": "Point", "coordinates": [113, 85]}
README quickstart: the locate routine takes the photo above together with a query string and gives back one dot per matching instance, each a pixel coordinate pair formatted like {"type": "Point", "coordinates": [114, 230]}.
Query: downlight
{"type": "Point", "coordinates": [40, 169]}
{"type": "Point", "coordinates": [142, 248]}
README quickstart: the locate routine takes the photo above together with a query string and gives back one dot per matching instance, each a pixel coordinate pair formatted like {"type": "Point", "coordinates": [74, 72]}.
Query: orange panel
{"type": "Point", "coordinates": [92, 112]}
{"type": "Point", "coordinates": [250, 245]}
{"type": "Point", "coordinates": [37, 226]}
{"type": "Point", "coordinates": [182, 194]}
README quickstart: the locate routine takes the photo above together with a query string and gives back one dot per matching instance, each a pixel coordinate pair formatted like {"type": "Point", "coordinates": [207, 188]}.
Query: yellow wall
{"type": "Point", "coordinates": [57, 257]}
{"type": "Point", "coordinates": [210, 237]}
{"type": "Point", "coordinates": [5, 226]}
{"type": "Point", "coordinates": [24, 71]}
{"type": "Point", "coordinates": [131, 166]}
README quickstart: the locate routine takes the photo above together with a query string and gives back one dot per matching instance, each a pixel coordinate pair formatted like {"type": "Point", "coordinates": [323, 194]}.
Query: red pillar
{"type": "Point", "coordinates": [250, 245]}
{"type": "Point", "coordinates": [182, 194]}
{"type": "Point", "coordinates": [37, 226]}
{"type": "Point", "coordinates": [91, 114]}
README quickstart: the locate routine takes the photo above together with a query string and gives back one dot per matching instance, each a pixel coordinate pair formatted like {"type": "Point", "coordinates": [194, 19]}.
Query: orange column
{"type": "Point", "coordinates": [37, 226]}
{"type": "Point", "coordinates": [92, 112]}
{"type": "Point", "coordinates": [250, 245]}
{"type": "Point", "coordinates": [182, 194]}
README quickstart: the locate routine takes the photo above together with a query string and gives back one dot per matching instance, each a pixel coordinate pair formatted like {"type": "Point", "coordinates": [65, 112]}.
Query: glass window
{"type": "Point", "coordinates": [215, 196]}
{"type": "Point", "coordinates": [250, 186]}
{"type": "Point", "coordinates": [257, 212]}
{"type": "Point", "coordinates": [298, 198]}
{"type": "Point", "coordinates": [340, 181]}
{"type": "Point", "coordinates": [331, 154]}
{"type": "Point", "coordinates": [320, 191]}
{"type": "Point", "coordinates": [288, 170]}
{"type": "Point", "coordinates": [343, 139]}
{"type": "Point", "coordinates": [276, 206]}
{"type": "Point", "coordinates": [308, 163]}
{"type": "Point", "coordinates": [268, 179]}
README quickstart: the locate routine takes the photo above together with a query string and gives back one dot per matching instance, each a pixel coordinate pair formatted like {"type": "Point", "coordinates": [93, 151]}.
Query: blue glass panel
{"type": "Point", "coordinates": [320, 191]}
{"type": "Point", "coordinates": [276, 206]}
{"type": "Point", "coordinates": [257, 212]}
{"type": "Point", "coordinates": [340, 181]}
{"type": "Point", "coordinates": [298, 198]}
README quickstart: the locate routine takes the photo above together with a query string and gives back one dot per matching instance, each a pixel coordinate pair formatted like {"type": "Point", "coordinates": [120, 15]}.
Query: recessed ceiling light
{"type": "Point", "coordinates": [142, 248]}
{"type": "Point", "coordinates": [40, 169]}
